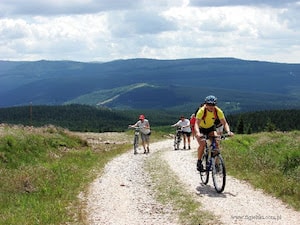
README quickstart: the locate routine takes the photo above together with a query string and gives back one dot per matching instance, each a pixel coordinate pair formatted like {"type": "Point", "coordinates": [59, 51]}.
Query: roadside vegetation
{"type": "Point", "coordinates": [44, 170]}
{"type": "Point", "coordinates": [269, 161]}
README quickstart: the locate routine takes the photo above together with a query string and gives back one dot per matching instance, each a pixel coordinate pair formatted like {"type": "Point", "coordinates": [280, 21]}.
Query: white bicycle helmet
{"type": "Point", "coordinates": [211, 99]}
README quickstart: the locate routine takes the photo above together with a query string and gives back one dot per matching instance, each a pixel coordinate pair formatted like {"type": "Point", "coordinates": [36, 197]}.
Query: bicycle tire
{"type": "Point", "coordinates": [204, 175]}
{"type": "Point", "coordinates": [135, 143]}
{"type": "Point", "coordinates": [178, 142]}
{"type": "Point", "coordinates": [219, 173]}
{"type": "Point", "coordinates": [175, 143]}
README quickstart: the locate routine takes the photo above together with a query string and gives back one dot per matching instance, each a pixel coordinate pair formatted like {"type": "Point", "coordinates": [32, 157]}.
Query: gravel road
{"type": "Point", "coordinates": [123, 195]}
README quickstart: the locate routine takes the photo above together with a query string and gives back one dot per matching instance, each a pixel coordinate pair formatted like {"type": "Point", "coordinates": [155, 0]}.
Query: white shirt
{"type": "Point", "coordinates": [144, 126]}
{"type": "Point", "coordinates": [185, 124]}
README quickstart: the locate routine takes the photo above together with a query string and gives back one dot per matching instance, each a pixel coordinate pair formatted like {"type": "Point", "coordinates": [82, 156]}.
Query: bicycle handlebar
{"type": "Point", "coordinates": [213, 136]}
{"type": "Point", "coordinates": [131, 127]}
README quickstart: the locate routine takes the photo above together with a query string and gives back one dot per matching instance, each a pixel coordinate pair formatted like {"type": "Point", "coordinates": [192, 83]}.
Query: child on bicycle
{"type": "Point", "coordinates": [205, 124]}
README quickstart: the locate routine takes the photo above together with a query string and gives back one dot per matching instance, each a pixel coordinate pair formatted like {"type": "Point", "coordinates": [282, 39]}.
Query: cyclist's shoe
{"type": "Point", "coordinates": [183, 147]}
{"type": "Point", "coordinates": [147, 149]}
{"type": "Point", "coordinates": [135, 152]}
{"type": "Point", "coordinates": [200, 166]}
{"type": "Point", "coordinates": [189, 147]}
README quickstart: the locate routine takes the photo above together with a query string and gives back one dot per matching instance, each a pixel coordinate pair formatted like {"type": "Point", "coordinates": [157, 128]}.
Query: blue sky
{"type": "Point", "coordinates": [106, 30]}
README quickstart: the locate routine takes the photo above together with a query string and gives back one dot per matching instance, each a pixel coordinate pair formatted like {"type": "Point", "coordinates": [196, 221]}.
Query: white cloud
{"type": "Point", "coordinates": [106, 30]}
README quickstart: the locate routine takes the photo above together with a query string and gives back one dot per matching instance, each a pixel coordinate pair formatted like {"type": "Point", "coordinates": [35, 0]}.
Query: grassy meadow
{"type": "Point", "coordinates": [269, 161]}
{"type": "Point", "coordinates": [42, 173]}
{"type": "Point", "coordinates": [43, 170]}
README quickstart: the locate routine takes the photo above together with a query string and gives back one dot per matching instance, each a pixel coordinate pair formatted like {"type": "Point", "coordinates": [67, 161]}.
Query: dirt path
{"type": "Point", "coordinates": [123, 195]}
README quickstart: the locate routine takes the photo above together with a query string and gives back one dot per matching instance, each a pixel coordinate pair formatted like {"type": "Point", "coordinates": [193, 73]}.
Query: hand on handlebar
{"type": "Point", "coordinates": [230, 133]}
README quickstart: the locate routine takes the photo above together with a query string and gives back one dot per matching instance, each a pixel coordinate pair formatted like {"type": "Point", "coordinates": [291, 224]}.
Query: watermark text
{"type": "Point", "coordinates": [256, 217]}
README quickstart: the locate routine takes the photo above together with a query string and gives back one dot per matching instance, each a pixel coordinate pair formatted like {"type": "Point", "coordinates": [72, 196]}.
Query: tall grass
{"type": "Point", "coordinates": [269, 161]}
{"type": "Point", "coordinates": [42, 173]}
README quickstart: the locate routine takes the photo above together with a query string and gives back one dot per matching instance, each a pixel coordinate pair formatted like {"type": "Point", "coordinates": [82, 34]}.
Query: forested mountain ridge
{"type": "Point", "coordinates": [179, 85]}
{"type": "Point", "coordinates": [89, 118]}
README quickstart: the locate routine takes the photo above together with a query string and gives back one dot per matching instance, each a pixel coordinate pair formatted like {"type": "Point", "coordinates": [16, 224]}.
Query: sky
{"type": "Point", "coordinates": [107, 30]}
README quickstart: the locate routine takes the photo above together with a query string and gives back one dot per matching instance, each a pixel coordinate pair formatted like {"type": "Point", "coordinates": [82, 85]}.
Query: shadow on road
{"type": "Point", "coordinates": [210, 191]}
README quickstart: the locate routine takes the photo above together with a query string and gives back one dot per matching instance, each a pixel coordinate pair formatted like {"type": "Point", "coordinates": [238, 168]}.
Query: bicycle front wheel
{"type": "Point", "coordinates": [204, 175]}
{"type": "Point", "coordinates": [175, 143]}
{"type": "Point", "coordinates": [219, 173]}
{"type": "Point", "coordinates": [135, 143]}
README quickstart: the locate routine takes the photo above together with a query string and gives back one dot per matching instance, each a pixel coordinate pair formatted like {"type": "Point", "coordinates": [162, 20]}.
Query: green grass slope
{"type": "Point", "coordinates": [269, 161]}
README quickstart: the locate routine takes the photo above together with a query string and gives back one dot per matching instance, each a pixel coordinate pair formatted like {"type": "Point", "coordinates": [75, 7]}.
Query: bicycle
{"type": "Point", "coordinates": [213, 161]}
{"type": "Point", "coordinates": [135, 139]}
{"type": "Point", "coordinates": [177, 137]}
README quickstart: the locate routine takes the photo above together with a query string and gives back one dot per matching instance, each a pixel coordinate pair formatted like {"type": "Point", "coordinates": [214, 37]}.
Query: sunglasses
{"type": "Point", "coordinates": [210, 104]}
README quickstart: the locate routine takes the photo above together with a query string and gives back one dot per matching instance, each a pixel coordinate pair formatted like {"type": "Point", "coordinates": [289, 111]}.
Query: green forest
{"type": "Point", "coordinates": [84, 118]}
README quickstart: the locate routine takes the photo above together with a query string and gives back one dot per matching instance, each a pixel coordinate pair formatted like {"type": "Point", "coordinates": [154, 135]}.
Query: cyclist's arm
{"type": "Point", "coordinates": [175, 124]}
{"type": "Point", "coordinates": [196, 127]}
{"type": "Point", "coordinates": [226, 127]}
{"type": "Point", "coordinates": [134, 125]}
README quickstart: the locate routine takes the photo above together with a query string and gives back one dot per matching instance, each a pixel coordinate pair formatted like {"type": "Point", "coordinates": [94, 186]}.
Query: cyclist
{"type": "Point", "coordinates": [145, 131]}
{"type": "Point", "coordinates": [186, 130]}
{"type": "Point", "coordinates": [192, 122]}
{"type": "Point", "coordinates": [205, 124]}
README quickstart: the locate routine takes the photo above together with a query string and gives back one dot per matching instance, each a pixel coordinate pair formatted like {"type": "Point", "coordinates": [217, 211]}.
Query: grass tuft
{"type": "Point", "coordinates": [169, 191]}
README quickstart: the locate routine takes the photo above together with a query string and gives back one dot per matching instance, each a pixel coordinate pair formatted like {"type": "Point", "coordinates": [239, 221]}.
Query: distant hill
{"type": "Point", "coordinates": [240, 85]}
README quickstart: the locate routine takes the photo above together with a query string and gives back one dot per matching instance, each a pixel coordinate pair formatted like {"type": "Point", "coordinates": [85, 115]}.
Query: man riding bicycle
{"type": "Point", "coordinates": [205, 125]}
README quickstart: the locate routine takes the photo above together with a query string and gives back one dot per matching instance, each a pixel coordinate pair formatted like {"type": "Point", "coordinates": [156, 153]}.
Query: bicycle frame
{"type": "Point", "coordinates": [177, 138]}
{"type": "Point", "coordinates": [136, 139]}
{"type": "Point", "coordinates": [212, 160]}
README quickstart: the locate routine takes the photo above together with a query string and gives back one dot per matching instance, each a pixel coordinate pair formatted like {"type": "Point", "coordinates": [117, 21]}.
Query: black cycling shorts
{"type": "Point", "coordinates": [188, 134]}
{"type": "Point", "coordinates": [206, 131]}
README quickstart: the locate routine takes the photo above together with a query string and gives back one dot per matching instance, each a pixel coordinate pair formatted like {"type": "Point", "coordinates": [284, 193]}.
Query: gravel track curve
{"type": "Point", "coordinates": [123, 195]}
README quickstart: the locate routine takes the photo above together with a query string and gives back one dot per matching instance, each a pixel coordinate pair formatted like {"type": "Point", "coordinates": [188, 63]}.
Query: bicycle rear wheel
{"type": "Point", "coordinates": [204, 175]}
{"type": "Point", "coordinates": [219, 173]}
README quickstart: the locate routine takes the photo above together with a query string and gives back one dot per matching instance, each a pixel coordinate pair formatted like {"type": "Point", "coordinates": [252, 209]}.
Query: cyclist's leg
{"type": "Point", "coordinates": [188, 134]}
{"type": "Point", "coordinates": [184, 139]}
{"type": "Point", "coordinates": [143, 141]}
{"type": "Point", "coordinates": [217, 138]}
{"type": "Point", "coordinates": [202, 143]}
{"type": "Point", "coordinates": [147, 140]}
{"type": "Point", "coordinates": [201, 146]}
